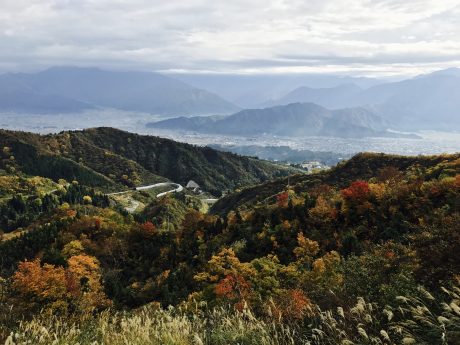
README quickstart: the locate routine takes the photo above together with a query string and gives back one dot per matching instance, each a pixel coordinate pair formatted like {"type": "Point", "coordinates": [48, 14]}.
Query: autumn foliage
{"type": "Point", "coordinates": [58, 289]}
{"type": "Point", "coordinates": [358, 190]}
{"type": "Point", "coordinates": [148, 228]}
{"type": "Point", "coordinates": [282, 258]}
{"type": "Point", "coordinates": [282, 199]}
{"type": "Point", "coordinates": [292, 304]}
{"type": "Point", "coordinates": [234, 288]}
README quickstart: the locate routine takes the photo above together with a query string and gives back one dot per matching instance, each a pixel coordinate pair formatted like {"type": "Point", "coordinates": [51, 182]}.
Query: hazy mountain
{"type": "Point", "coordinates": [427, 102]}
{"type": "Point", "coordinates": [333, 97]}
{"type": "Point", "coordinates": [297, 119]}
{"type": "Point", "coordinates": [430, 101]}
{"type": "Point", "coordinates": [17, 96]}
{"type": "Point", "coordinates": [454, 72]}
{"type": "Point", "coordinates": [252, 91]}
{"type": "Point", "coordinates": [133, 91]}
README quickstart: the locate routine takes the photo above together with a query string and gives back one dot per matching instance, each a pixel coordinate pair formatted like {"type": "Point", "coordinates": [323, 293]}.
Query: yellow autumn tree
{"type": "Point", "coordinates": [323, 210]}
{"type": "Point", "coordinates": [306, 249]}
{"type": "Point", "coordinates": [86, 272]}
{"type": "Point", "coordinates": [57, 289]}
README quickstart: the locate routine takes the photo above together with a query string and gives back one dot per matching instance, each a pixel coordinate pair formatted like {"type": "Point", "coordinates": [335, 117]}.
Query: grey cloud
{"type": "Point", "coordinates": [229, 36]}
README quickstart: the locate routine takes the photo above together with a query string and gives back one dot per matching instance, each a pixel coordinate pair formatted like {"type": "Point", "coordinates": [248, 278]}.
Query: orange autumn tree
{"type": "Point", "coordinates": [358, 190]}
{"type": "Point", "coordinates": [282, 199]}
{"type": "Point", "coordinates": [38, 286]}
{"type": "Point", "coordinates": [229, 276]}
{"type": "Point", "coordinates": [234, 289]}
{"type": "Point", "coordinates": [148, 228]}
{"type": "Point", "coordinates": [323, 211]}
{"type": "Point", "coordinates": [312, 272]}
{"type": "Point", "coordinates": [59, 289]}
{"type": "Point", "coordinates": [291, 304]}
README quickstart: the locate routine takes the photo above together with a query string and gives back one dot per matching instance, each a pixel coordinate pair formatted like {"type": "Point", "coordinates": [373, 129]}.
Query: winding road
{"type": "Point", "coordinates": [134, 204]}
{"type": "Point", "coordinates": [178, 188]}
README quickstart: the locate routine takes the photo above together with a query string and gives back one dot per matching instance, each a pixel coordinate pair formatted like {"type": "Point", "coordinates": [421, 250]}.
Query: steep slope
{"type": "Point", "coordinates": [368, 234]}
{"type": "Point", "coordinates": [214, 170]}
{"type": "Point", "coordinates": [113, 158]}
{"type": "Point", "coordinates": [133, 91]}
{"type": "Point", "coordinates": [27, 153]}
{"type": "Point", "coordinates": [362, 166]}
{"type": "Point", "coordinates": [297, 119]}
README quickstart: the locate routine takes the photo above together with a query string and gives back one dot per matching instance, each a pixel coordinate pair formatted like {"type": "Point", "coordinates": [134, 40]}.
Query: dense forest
{"type": "Point", "coordinates": [110, 159]}
{"type": "Point", "coordinates": [366, 253]}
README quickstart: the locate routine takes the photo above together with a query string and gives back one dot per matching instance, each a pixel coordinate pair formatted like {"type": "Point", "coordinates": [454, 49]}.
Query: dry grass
{"type": "Point", "coordinates": [421, 320]}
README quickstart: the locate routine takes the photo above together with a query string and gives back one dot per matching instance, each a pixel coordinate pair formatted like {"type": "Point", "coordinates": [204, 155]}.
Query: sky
{"type": "Point", "coordinates": [357, 37]}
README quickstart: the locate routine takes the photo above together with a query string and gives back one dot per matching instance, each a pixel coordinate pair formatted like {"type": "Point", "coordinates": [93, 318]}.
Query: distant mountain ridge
{"type": "Point", "coordinates": [425, 102]}
{"type": "Point", "coordinates": [255, 91]}
{"type": "Point", "coordinates": [296, 119]}
{"type": "Point", "coordinates": [430, 101]}
{"type": "Point", "coordinates": [332, 98]}
{"type": "Point", "coordinates": [17, 96]}
{"type": "Point", "coordinates": [73, 89]}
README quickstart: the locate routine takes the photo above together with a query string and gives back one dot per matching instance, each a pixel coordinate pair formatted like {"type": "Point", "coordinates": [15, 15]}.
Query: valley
{"type": "Point", "coordinates": [429, 142]}
{"type": "Point", "coordinates": [200, 172]}
{"type": "Point", "coordinates": [305, 246]}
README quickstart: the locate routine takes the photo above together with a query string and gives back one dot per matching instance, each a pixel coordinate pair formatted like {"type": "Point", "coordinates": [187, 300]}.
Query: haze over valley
{"type": "Point", "coordinates": [325, 113]}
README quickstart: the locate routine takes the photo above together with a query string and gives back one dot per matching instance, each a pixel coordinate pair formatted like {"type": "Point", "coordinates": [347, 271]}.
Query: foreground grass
{"type": "Point", "coordinates": [417, 320]}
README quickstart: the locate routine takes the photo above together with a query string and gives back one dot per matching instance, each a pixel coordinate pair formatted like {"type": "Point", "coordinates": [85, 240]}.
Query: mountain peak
{"type": "Point", "coordinates": [77, 87]}
{"type": "Point", "coordinates": [452, 72]}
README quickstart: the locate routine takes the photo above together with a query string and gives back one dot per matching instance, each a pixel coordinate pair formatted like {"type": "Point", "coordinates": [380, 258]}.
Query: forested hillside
{"type": "Point", "coordinates": [363, 254]}
{"type": "Point", "coordinates": [362, 166]}
{"type": "Point", "coordinates": [110, 158]}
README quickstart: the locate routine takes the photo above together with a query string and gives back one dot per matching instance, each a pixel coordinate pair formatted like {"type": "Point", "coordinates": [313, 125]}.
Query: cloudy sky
{"type": "Point", "coordinates": [368, 37]}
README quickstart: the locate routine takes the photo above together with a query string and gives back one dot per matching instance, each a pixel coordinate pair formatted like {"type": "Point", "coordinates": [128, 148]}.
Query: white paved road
{"type": "Point", "coordinates": [177, 188]}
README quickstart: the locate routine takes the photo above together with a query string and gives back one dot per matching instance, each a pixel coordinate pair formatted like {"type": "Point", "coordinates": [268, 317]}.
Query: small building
{"type": "Point", "coordinates": [314, 165]}
{"type": "Point", "coordinates": [192, 185]}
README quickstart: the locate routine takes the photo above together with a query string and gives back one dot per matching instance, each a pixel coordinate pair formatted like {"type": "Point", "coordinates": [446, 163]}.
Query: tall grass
{"type": "Point", "coordinates": [417, 320]}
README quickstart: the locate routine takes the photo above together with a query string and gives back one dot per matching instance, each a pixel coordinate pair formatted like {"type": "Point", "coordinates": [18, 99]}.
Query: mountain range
{"type": "Point", "coordinates": [296, 119]}
{"type": "Point", "coordinates": [430, 101]}
{"type": "Point", "coordinates": [330, 97]}
{"type": "Point", "coordinates": [72, 89]}
{"type": "Point", "coordinates": [254, 91]}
